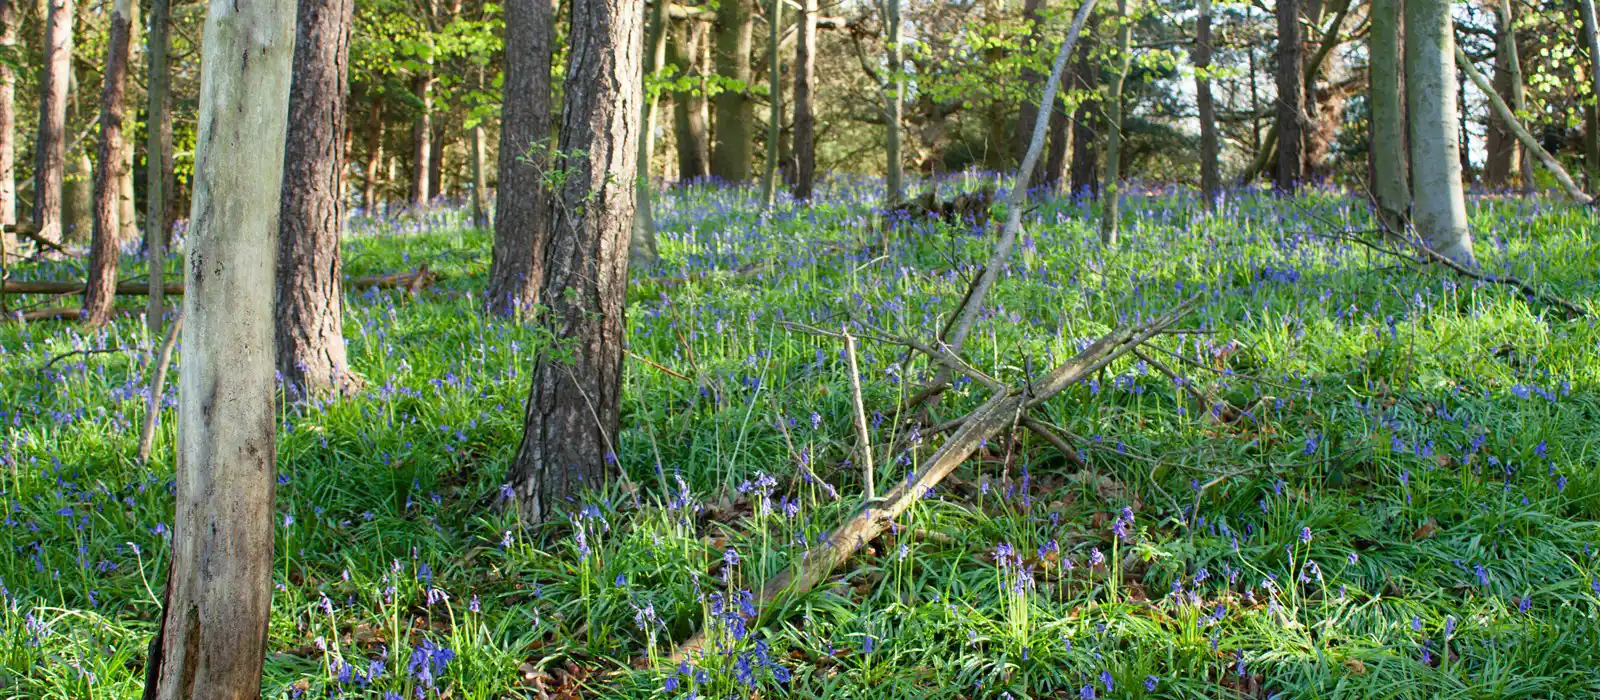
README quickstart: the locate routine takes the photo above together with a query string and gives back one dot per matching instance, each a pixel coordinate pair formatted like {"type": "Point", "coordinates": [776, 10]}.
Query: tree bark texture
{"type": "Point", "coordinates": [1439, 205]}
{"type": "Point", "coordinates": [1291, 98]}
{"type": "Point", "coordinates": [730, 154]}
{"type": "Point", "coordinates": [100, 293]}
{"type": "Point", "coordinates": [50, 148]}
{"type": "Point", "coordinates": [686, 50]}
{"type": "Point", "coordinates": [422, 141]}
{"type": "Point", "coordinates": [1210, 180]}
{"type": "Point", "coordinates": [1390, 186]}
{"type": "Point", "coordinates": [309, 311]}
{"type": "Point", "coordinates": [1503, 160]}
{"type": "Point", "coordinates": [570, 436]}
{"type": "Point", "coordinates": [522, 210]}
{"type": "Point", "coordinates": [8, 126]}
{"type": "Point", "coordinates": [158, 160]}
{"type": "Point", "coordinates": [219, 582]}
{"type": "Point", "coordinates": [805, 115]}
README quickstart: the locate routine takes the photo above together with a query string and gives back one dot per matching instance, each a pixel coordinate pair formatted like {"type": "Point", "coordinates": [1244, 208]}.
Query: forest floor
{"type": "Point", "coordinates": [1409, 506]}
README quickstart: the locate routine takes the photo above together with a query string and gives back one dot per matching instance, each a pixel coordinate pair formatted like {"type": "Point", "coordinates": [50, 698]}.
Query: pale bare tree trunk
{"type": "Point", "coordinates": [219, 582]}
{"type": "Point", "coordinates": [1111, 206]}
{"type": "Point", "coordinates": [1390, 186]}
{"type": "Point", "coordinates": [643, 246]}
{"type": "Point", "coordinates": [805, 115]}
{"type": "Point", "coordinates": [50, 149]}
{"type": "Point", "coordinates": [569, 440]}
{"type": "Point", "coordinates": [894, 106]}
{"type": "Point", "coordinates": [730, 153]}
{"type": "Point", "coordinates": [1210, 181]}
{"type": "Point", "coordinates": [1291, 98]}
{"type": "Point", "coordinates": [8, 129]}
{"type": "Point", "coordinates": [309, 313]}
{"type": "Point", "coordinates": [158, 162]}
{"type": "Point", "coordinates": [101, 290]}
{"type": "Point", "coordinates": [1439, 209]}
{"type": "Point", "coordinates": [127, 209]}
{"type": "Point", "coordinates": [522, 207]}
{"type": "Point", "coordinates": [1503, 159]}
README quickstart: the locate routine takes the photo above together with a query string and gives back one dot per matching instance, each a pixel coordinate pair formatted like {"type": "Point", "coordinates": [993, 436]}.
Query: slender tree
{"type": "Point", "coordinates": [805, 116]}
{"type": "Point", "coordinates": [101, 291]}
{"type": "Point", "coordinates": [769, 179]}
{"type": "Point", "coordinates": [1503, 160]}
{"type": "Point", "coordinates": [1291, 98]}
{"type": "Point", "coordinates": [894, 104]}
{"type": "Point", "coordinates": [422, 139]}
{"type": "Point", "coordinates": [158, 160]}
{"type": "Point", "coordinates": [8, 126]}
{"type": "Point", "coordinates": [1591, 42]}
{"type": "Point", "coordinates": [50, 148]}
{"type": "Point", "coordinates": [219, 581]}
{"type": "Point", "coordinates": [1110, 213]}
{"type": "Point", "coordinates": [1390, 186]}
{"type": "Point", "coordinates": [521, 212]}
{"type": "Point", "coordinates": [569, 440]}
{"type": "Point", "coordinates": [372, 171]}
{"type": "Point", "coordinates": [1439, 209]}
{"type": "Point", "coordinates": [735, 113]}
{"type": "Point", "coordinates": [643, 247]}
{"type": "Point", "coordinates": [1210, 181]}
{"type": "Point", "coordinates": [310, 296]}
{"type": "Point", "coordinates": [480, 178]}
{"type": "Point", "coordinates": [1085, 175]}
{"type": "Point", "coordinates": [690, 113]}
{"type": "Point", "coordinates": [1027, 108]}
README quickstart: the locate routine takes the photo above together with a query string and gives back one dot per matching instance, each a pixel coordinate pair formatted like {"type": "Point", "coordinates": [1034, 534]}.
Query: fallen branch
{"type": "Point", "coordinates": [410, 281]}
{"type": "Point", "coordinates": [995, 415]}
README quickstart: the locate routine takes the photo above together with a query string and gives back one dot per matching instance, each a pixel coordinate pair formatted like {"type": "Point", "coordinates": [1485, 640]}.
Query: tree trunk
{"type": "Point", "coordinates": [894, 107]}
{"type": "Point", "coordinates": [805, 116]}
{"type": "Point", "coordinates": [1210, 181]}
{"type": "Point", "coordinates": [436, 143]}
{"type": "Point", "coordinates": [1503, 160]}
{"type": "Point", "coordinates": [158, 161]}
{"type": "Point", "coordinates": [1055, 164]}
{"type": "Point", "coordinates": [1291, 98]}
{"type": "Point", "coordinates": [569, 441]}
{"type": "Point", "coordinates": [309, 310]}
{"type": "Point", "coordinates": [372, 170]}
{"type": "Point", "coordinates": [1509, 120]}
{"type": "Point", "coordinates": [127, 208]}
{"type": "Point", "coordinates": [769, 179]}
{"type": "Point", "coordinates": [77, 199]}
{"type": "Point", "coordinates": [1085, 178]}
{"type": "Point", "coordinates": [686, 50]}
{"type": "Point", "coordinates": [8, 128]}
{"type": "Point", "coordinates": [642, 248]}
{"type": "Point", "coordinates": [730, 156]}
{"type": "Point", "coordinates": [1028, 108]}
{"type": "Point", "coordinates": [1591, 37]}
{"type": "Point", "coordinates": [521, 211]}
{"type": "Point", "coordinates": [50, 148]}
{"type": "Point", "coordinates": [219, 582]}
{"type": "Point", "coordinates": [1439, 211]}
{"type": "Point", "coordinates": [101, 292]}
{"type": "Point", "coordinates": [422, 142]}
{"type": "Point", "coordinates": [1387, 98]}
{"type": "Point", "coordinates": [1110, 213]}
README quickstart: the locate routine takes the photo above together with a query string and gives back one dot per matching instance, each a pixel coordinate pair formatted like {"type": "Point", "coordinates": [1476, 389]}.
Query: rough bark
{"type": "Point", "coordinates": [1085, 180]}
{"type": "Point", "coordinates": [1291, 98]}
{"type": "Point", "coordinates": [805, 117]}
{"type": "Point", "coordinates": [309, 311]}
{"type": "Point", "coordinates": [689, 109]}
{"type": "Point", "coordinates": [219, 582]}
{"type": "Point", "coordinates": [1210, 181]}
{"type": "Point", "coordinates": [50, 147]}
{"type": "Point", "coordinates": [570, 435]}
{"type": "Point", "coordinates": [894, 100]}
{"type": "Point", "coordinates": [521, 211]}
{"type": "Point", "coordinates": [730, 154]}
{"type": "Point", "coordinates": [104, 249]}
{"type": "Point", "coordinates": [1439, 208]}
{"type": "Point", "coordinates": [1111, 206]}
{"type": "Point", "coordinates": [1390, 188]}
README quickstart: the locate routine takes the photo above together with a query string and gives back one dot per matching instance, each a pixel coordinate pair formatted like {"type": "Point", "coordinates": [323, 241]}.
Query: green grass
{"type": "Point", "coordinates": [1435, 438]}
